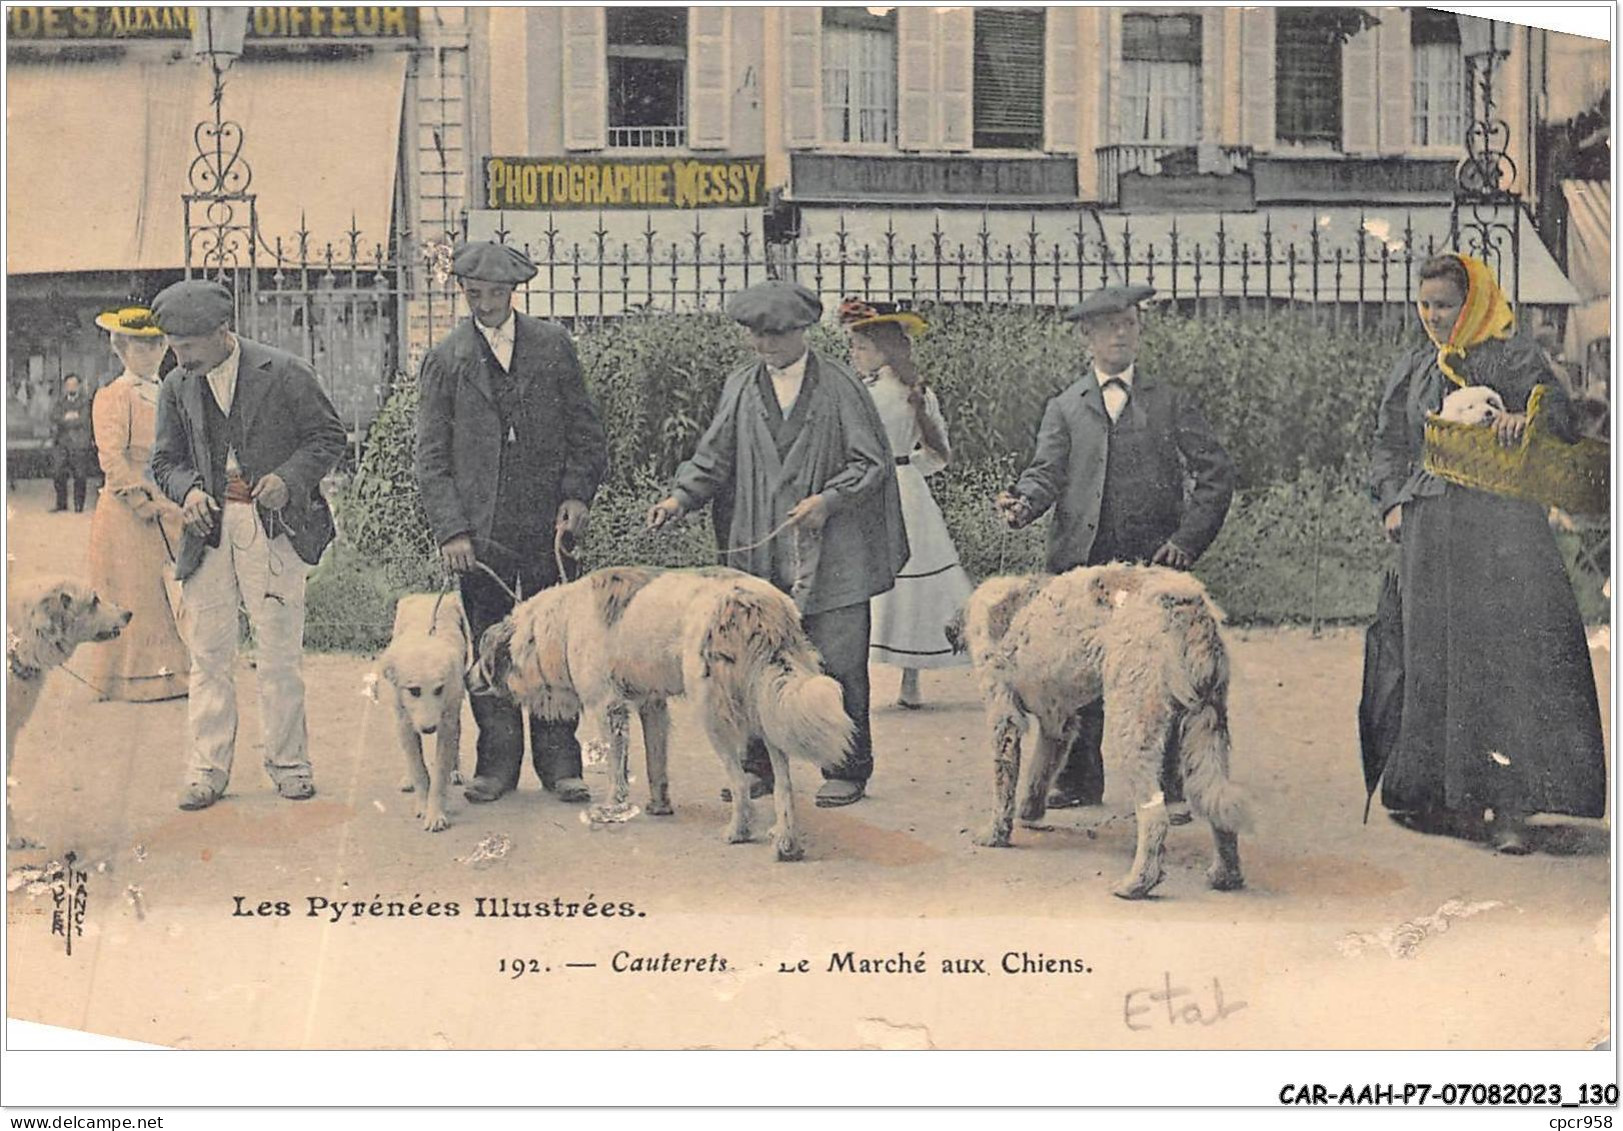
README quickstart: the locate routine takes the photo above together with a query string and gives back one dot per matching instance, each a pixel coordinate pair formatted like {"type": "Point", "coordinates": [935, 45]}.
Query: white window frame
{"type": "Point", "coordinates": [1423, 81]}
{"type": "Point", "coordinates": [828, 34]}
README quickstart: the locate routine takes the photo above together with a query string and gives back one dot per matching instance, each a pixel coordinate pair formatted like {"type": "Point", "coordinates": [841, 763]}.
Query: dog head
{"type": "Point", "coordinates": [57, 616]}
{"type": "Point", "coordinates": [493, 660]}
{"type": "Point", "coordinates": [1474, 404]}
{"type": "Point", "coordinates": [425, 672]}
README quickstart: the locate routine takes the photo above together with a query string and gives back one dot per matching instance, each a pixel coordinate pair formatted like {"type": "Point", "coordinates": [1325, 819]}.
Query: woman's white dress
{"type": "Point", "coordinates": [909, 622]}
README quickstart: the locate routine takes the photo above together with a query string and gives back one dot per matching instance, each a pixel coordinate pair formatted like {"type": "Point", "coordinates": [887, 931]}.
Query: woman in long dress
{"type": "Point", "coordinates": [1500, 714]}
{"type": "Point", "coordinates": [135, 528]}
{"type": "Point", "coordinates": [909, 622]}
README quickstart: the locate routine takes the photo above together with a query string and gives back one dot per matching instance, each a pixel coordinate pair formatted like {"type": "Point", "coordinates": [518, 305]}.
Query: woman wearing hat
{"type": "Point", "coordinates": [135, 527]}
{"type": "Point", "coordinates": [1500, 714]}
{"type": "Point", "coordinates": [909, 621]}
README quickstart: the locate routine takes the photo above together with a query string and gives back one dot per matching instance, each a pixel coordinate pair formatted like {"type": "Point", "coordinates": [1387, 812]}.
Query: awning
{"type": "Point", "coordinates": [97, 155]}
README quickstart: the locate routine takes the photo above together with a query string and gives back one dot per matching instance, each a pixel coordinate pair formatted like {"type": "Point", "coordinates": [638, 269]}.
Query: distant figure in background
{"type": "Point", "coordinates": [135, 529]}
{"type": "Point", "coordinates": [909, 622]}
{"type": "Point", "coordinates": [73, 456]}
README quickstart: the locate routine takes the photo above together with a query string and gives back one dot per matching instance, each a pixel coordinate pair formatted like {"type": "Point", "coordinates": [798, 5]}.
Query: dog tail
{"type": "Point", "coordinates": [777, 681]}
{"type": "Point", "coordinates": [1199, 679]}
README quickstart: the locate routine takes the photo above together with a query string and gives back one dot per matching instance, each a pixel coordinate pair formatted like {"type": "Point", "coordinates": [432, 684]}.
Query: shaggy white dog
{"type": "Point", "coordinates": [1145, 641]}
{"type": "Point", "coordinates": [424, 667]}
{"type": "Point", "coordinates": [632, 636]}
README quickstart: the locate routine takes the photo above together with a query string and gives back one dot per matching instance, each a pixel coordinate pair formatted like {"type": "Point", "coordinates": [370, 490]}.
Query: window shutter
{"type": "Point", "coordinates": [1396, 63]}
{"type": "Point", "coordinates": [709, 100]}
{"type": "Point", "coordinates": [1360, 84]}
{"type": "Point", "coordinates": [1211, 75]}
{"type": "Point", "coordinates": [915, 77]}
{"type": "Point", "coordinates": [586, 114]}
{"type": "Point", "coordinates": [956, 76]}
{"type": "Point", "coordinates": [1257, 77]}
{"type": "Point", "coordinates": [803, 81]}
{"type": "Point", "coordinates": [1064, 76]}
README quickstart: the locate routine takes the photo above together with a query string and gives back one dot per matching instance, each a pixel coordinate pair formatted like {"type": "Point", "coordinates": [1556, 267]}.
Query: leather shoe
{"type": "Point", "coordinates": [759, 788]}
{"type": "Point", "coordinates": [482, 789]}
{"type": "Point", "coordinates": [296, 789]}
{"type": "Point", "coordinates": [198, 796]}
{"type": "Point", "coordinates": [836, 792]}
{"type": "Point", "coordinates": [572, 790]}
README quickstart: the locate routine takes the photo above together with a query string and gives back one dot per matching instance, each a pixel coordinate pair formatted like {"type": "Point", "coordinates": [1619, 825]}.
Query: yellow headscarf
{"type": "Point", "coordinates": [1485, 315]}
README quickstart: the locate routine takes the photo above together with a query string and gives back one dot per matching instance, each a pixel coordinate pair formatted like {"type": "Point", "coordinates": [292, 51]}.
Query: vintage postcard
{"type": "Point", "coordinates": [1279, 717]}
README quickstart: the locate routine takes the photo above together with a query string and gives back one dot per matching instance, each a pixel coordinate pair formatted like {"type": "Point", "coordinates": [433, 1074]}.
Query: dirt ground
{"type": "Point", "coordinates": [1347, 935]}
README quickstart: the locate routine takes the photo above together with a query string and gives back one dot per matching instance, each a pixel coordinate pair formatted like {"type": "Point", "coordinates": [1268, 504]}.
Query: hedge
{"type": "Point", "coordinates": [1293, 402]}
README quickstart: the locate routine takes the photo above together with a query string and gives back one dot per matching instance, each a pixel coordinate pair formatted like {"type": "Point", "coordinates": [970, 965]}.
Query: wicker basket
{"type": "Point", "coordinates": [1542, 469]}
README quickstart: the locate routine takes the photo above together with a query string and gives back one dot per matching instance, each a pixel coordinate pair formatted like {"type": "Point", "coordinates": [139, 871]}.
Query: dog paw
{"type": "Point", "coordinates": [660, 807]}
{"type": "Point", "coordinates": [407, 786]}
{"type": "Point", "coordinates": [1033, 811]}
{"type": "Point", "coordinates": [992, 836]}
{"type": "Point", "coordinates": [1139, 887]}
{"type": "Point", "coordinates": [1219, 878]}
{"type": "Point", "coordinates": [436, 823]}
{"type": "Point", "coordinates": [456, 778]}
{"type": "Point", "coordinates": [788, 848]}
{"type": "Point", "coordinates": [738, 834]}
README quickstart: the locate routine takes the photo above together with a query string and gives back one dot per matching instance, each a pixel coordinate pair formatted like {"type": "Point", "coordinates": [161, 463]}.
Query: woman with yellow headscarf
{"type": "Point", "coordinates": [1501, 718]}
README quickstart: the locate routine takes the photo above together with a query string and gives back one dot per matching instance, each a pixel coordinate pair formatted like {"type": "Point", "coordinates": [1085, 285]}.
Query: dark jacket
{"type": "Point", "coordinates": [460, 432]}
{"type": "Point", "coordinates": [70, 422]}
{"type": "Point", "coordinates": [1073, 447]}
{"type": "Point", "coordinates": [840, 451]}
{"type": "Point", "coordinates": [289, 428]}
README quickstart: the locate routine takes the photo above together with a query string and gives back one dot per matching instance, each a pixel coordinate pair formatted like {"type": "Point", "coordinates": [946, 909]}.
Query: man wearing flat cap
{"type": "Point", "coordinates": [800, 473]}
{"type": "Point", "coordinates": [244, 435]}
{"type": "Point", "coordinates": [510, 452]}
{"type": "Point", "coordinates": [1133, 474]}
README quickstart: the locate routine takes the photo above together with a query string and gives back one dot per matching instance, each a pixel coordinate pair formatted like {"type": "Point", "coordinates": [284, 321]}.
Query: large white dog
{"type": "Point", "coordinates": [632, 636]}
{"type": "Point", "coordinates": [1142, 638]}
{"type": "Point", "coordinates": [423, 668]}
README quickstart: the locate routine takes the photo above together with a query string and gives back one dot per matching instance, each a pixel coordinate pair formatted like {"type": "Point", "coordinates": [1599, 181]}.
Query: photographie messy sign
{"type": "Point", "coordinates": [858, 607]}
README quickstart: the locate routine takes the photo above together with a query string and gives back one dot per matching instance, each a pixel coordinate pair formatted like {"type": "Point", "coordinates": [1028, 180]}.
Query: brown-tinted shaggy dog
{"type": "Point", "coordinates": [47, 621]}
{"type": "Point", "coordinates": [631, 636]}
{"type": "Point", "coordinates": [1145, 641]}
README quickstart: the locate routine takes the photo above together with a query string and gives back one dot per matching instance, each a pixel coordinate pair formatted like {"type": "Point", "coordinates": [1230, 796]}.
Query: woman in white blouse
{"type": "Point", "coordinates": [909, 622]}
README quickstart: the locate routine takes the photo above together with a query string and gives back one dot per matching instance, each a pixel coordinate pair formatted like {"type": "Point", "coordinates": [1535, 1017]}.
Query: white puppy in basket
{"type": "Point", "coordinates": [1474, 404]}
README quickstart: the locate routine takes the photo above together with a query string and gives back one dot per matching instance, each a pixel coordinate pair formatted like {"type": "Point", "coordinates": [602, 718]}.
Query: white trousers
{"type": "Point", "coordinates": [265, 577]}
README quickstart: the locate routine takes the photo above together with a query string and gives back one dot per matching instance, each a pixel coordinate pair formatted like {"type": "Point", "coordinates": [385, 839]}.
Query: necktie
{"type": "Point", "coordinates": [1116, 392]}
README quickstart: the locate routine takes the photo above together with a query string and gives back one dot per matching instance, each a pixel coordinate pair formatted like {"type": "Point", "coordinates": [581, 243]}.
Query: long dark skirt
{"type": "Point", "coordinates": [1499, 707]}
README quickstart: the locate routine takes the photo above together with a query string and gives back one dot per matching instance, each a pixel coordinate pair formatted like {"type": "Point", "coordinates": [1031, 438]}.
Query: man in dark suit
{"type": "Point", "coordinates": [510, 452]}
{"type": "Point", "coordinates": [1133, 473]}
{"type": "Point", "coordinates": [244, 436]}
{"type": "Point", "coordinates": [75, 454]}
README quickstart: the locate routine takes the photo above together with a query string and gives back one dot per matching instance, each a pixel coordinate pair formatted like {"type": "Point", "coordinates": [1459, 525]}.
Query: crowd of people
{"type": "Point", "coordinates": [816, 470]}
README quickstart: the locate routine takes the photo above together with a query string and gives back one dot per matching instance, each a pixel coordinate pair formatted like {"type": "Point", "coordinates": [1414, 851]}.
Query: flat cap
{"type": "Point", "coordinates": [489, 262]}
{"type": "Point", "coordinates": [192, 307]}
{"type": "Point", "coordinates": [1109, 300]}
{"type": "Point", "coordinates": [775, 307]}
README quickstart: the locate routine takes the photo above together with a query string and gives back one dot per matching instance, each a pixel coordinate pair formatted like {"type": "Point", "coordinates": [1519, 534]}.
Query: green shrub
{"type": "Point", "coordinates": [381, 514]}
{"type": "Point", "coordinates": [349, 603]}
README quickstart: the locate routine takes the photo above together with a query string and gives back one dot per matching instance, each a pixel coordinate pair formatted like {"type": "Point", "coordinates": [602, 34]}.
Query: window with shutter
{"type": "Point", "coordinates": [647, 77]}
{"type": "Point", "coordinates": [1161, 83]}
{"type": "Point", "coordinates": [1008, 70]}
{"type": "Point", "coordinates": [1307, 75]}
{"type": "Point", "coordinates": [1439, 78]}
{"type": "Point", "coordinates": [859, 76]}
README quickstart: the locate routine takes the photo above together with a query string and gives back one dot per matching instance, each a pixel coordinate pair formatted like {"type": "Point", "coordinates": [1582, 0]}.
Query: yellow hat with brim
{"type": "Point", "coordinates": [135, 321]}
{"type": "Point", "coordinates": [856, 314]}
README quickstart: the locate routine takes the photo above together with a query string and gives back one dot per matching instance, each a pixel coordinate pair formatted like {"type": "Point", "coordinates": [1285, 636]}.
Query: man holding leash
{"type": "Point", "coordinates": [244, 436]}
{"type": "Point", "coordinates": [1115, 452]}
{"type": "Point", "coordinates": [803, 482]}
{"type": "Point", "coordinates": [510, 452]}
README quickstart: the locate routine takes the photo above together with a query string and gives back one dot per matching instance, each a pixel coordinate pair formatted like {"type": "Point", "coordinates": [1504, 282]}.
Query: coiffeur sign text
{"type": "Point", "coordinates": [170, 22]}
{"type": "Point", "coordinates": [533, 183]}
